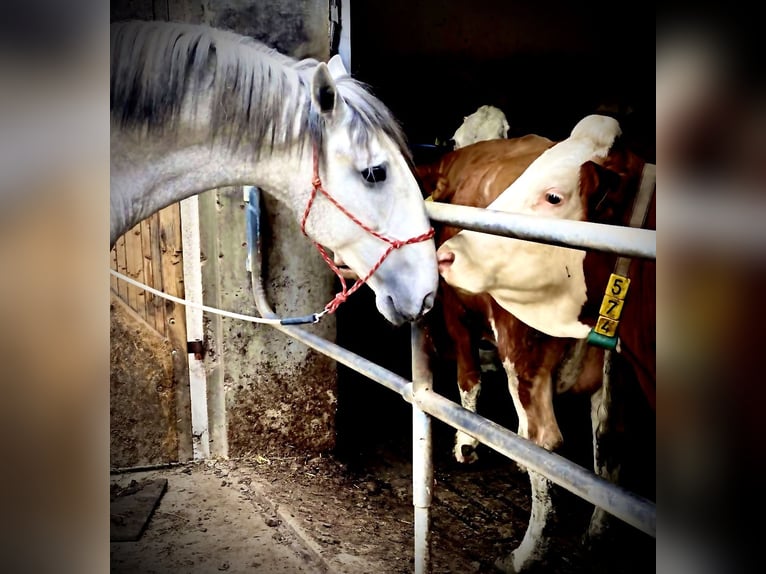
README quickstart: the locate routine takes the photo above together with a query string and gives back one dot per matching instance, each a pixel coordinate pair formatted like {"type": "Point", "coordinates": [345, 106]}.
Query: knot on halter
{"type": "Point", "coordinates": [333, 305]}
{"type": "Point", "coordinates": [341, 297]}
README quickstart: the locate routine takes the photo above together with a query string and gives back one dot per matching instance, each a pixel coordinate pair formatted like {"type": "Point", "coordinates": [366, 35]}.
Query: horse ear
{"type": "Point", "coordinates": [324, 94]}
{"type": "Point", "coordinates": [337, 69]}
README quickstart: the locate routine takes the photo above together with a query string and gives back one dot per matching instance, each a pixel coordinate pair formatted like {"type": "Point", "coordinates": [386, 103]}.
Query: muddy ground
{"type": "Point", "coordinates": [350, 512]}
{"type": "Point", "coordinates": [324, 515]}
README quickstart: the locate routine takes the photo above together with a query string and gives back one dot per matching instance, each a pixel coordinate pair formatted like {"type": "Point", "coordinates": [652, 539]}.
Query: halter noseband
{"type": "Point", "coordinates": [316, 186]}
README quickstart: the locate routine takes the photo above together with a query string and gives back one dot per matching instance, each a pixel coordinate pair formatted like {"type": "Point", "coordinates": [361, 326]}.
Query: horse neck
{"type": "Point", "coordinates": [150, 174]}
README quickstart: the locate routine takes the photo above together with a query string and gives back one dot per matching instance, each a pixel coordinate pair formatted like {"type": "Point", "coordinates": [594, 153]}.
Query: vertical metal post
{"type": "Point", "coordinates": [192, 268]}
{"type": "Point", "coordinates": [422, 462]}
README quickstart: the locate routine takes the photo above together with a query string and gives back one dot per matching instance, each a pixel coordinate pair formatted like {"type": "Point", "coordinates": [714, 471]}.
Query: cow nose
{"type": "Point", "coordinates": [445, 259]}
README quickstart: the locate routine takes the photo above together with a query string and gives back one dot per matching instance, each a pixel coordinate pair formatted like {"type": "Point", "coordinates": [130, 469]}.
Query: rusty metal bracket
{"type": "Point", "coordinates": [196, 348]}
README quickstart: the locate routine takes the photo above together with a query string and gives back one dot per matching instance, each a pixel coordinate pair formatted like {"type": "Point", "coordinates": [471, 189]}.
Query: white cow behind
{"type": "Point", "coordinates": [486, 123]}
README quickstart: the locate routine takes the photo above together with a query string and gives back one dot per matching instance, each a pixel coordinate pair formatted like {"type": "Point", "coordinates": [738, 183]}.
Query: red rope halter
{"type": "Point", "coordinates": [316, 185]}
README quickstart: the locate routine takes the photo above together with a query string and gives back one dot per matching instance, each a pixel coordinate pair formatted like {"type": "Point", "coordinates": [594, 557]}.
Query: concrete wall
{"type": "Point", "coordinates": [295, 27]}
{"type": "Point", "coordinates": [266, 392]}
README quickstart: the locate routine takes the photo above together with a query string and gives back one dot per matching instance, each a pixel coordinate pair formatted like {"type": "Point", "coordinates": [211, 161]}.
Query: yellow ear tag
{"type": "Point", "coordinates": [604, 334]}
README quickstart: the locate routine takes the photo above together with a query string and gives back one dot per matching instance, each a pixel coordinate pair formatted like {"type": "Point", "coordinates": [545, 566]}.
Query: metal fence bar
{"type": "Point", "coordinates": [625, 505]}
{"type": "Point", "coordinates": [628, 241]}
{"type": "Point", "coordinates": [422, 458]}
{"type": "Point", "coordinates": [628, 507]}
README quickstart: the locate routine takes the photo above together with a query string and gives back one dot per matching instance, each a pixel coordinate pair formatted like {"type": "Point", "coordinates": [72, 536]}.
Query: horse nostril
{"type": "Point", "coordinates": [428, 303]}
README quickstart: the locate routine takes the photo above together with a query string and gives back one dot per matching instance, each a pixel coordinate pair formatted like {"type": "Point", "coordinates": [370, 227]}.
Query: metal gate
{"type": "Point", "coordinates": [635, 510]}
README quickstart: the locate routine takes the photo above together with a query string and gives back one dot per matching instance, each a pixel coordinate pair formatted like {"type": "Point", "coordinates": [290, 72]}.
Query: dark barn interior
{"type": "Point", "coordinates": [546, 65]}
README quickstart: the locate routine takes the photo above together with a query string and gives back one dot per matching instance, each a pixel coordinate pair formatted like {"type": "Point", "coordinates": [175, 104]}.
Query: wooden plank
{"type": "Point", "coordinates": [148, 264]}
{"type": "Point", "coordinates": [158, 304]}
{"type": "Point", "coordinates": [113, 281]}
{"type": "Point", "coordinates": [128, 312]}
{"type": "Point", "coordinates": [172, 258]}
{"type": "Point", "coordinates": [135, 263]}
{"type": "Point", "coordinates": [175, 319]}
{"type": "Point", "coordinates": [122, 267]}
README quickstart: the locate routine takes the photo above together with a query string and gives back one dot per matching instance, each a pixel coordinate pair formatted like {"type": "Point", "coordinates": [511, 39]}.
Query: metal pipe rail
{"type": "Point", "coordinates": [634, 510]}
{"type": "Point", "coordinates": [422, 453]}
{"type": "Point", "coordinates": [637, 511]}
{"type": "Point", "coordinates": [627, 241]}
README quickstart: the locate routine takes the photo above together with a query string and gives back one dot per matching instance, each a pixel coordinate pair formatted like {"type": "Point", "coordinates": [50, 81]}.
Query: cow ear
{"type": "Point", "coordinates": [324, 94]}
{"type": "Point", "coordinates": [598, 186]}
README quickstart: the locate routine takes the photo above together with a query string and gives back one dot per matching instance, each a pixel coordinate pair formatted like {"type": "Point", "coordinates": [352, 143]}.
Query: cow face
{"type": "Point", "coordinates": [542, 285]}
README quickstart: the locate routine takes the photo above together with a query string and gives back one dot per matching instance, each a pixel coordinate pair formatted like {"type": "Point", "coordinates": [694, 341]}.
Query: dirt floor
{"type": "Point", "coordinates": [353, 514]}
{"type": "Point", "coordinates": [350, 511]}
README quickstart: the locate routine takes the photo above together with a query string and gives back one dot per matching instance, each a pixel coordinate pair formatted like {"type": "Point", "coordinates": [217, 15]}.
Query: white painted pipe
{"type": "Point", "coordinates": [422, 454]}
{"type": "Point", "coordinates": [628, 241]}
{"type": "Point", "coordinates": [194, 329]}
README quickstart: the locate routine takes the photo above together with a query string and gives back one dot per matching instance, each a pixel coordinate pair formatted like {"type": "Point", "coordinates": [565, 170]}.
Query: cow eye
{"type": "Point", "coordinates": [374, 174]}
{"type": "Point", "coordinates": [553, 198]}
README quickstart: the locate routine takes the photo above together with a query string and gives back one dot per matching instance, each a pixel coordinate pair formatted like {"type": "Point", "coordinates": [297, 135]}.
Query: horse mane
{"type": "Point", "coordinates": [255, 91]}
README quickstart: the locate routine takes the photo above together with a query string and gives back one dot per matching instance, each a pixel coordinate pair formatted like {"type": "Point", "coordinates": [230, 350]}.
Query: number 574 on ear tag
{"type": "Point", "coordinates": [610, 311]}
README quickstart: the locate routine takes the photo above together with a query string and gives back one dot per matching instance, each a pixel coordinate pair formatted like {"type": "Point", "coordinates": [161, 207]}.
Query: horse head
{"type": "Point", "coordinates": [368, 207]}
{"type": "Point", "coordinates": [194, 108]}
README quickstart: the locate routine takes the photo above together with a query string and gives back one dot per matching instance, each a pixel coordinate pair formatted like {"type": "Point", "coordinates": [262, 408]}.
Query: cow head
{"type": "Point", "coordinates": [486, 123]}
{"type": "Point", "coordinates": [542, 285]}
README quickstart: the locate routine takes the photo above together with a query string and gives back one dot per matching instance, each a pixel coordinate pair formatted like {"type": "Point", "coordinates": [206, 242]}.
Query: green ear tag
{"type": "Point", "coordinates": [604, 341]}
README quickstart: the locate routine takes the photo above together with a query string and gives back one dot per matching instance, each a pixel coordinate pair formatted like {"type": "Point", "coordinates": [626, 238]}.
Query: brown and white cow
{"type": "Point", "coordinates": [490, 283]}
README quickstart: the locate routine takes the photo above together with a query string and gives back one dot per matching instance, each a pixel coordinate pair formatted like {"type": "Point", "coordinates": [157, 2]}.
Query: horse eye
{"type": "Point", "coordinates": [374, 174]}
{"type": "Point", "coordinates": [552, 198]}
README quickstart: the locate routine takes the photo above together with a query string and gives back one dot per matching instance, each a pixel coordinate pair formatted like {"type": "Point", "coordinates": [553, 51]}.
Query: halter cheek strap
{"type": "Point", "coordinates": [316, 187]}
{"type": "Point", "coordinates": [604, 333]}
